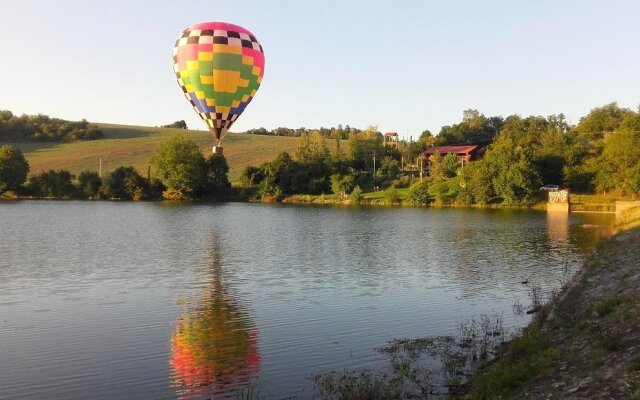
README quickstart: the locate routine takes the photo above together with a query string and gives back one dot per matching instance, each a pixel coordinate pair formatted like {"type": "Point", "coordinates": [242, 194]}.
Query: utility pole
{"type": "Point", "coordinates": [374, 164]}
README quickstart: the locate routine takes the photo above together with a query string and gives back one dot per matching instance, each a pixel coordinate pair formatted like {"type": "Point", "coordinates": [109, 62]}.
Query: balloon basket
{"type": "Point", "coordinates": [217, 149]}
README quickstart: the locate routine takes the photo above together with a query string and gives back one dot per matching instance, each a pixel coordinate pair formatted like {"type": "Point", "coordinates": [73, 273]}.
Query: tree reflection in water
{"type": "Point", "coordinates": [214, 347]}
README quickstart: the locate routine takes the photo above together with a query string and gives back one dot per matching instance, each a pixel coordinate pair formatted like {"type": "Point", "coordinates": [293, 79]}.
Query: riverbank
{"type": "Point", "coordinates": [585, 343]}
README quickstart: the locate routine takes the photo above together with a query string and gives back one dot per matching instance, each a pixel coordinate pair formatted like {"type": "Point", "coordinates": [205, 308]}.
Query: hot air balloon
{"type": "Point", "coordinates": [219, 67]}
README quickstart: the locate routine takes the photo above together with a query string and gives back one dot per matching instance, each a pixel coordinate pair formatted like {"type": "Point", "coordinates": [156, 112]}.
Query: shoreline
{"type": "Point", "coordinates": [585, 341]}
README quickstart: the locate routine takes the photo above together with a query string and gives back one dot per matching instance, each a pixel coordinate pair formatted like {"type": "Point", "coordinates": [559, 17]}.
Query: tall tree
{"type": "Point", "coordinates": [180, 165]}
{"type": "Point", "coordinates": [13, 168]}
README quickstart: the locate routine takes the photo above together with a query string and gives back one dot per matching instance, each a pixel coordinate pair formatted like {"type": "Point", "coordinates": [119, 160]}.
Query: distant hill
{"type": "Point", "coordinates": [124, 145]}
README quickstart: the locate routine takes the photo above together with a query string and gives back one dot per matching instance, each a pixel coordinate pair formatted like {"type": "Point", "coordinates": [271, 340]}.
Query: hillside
{"type": "Point", "coordinates": [134, 145]}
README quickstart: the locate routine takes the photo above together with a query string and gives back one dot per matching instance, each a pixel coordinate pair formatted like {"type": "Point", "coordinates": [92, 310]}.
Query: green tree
{"type": "Point", "coordinates": [391, 194]}
{"type": "Point", "coordinates": [476, 183]}
{"type": "Point", "coordinates": [180, 165]}
{"type": "Point", "coordinates": [342, 184]}
{"type": "Point", "coordinates": [426, 140]}
{"type": "Point", "coordinates": [435, 166]}
{"type": "Point", "coordinates": [52, 184]}
{"type": "Point", "coordinates": [450, 165]}
{"type": "Point", "coordinates": [389, 167]}
{"type": "Point", "coordinates": [363, 146]}
{"type": "Point", "coordinates": [89, 183]}
{"type": "Point", "coordinates": [216, 182]}
{"type": "Point", "coordinates": [125, 183]}
{"type": "Point", "coordinates": [356, 195]}
{"type": "Point", "coordinates": [13, 168]}
{"type": "Point", "coordinates": [619, 161]}
{"type": "Point", "coordinates": [419, 192]}
{"type": "Point", "coordinates": [312, 147]}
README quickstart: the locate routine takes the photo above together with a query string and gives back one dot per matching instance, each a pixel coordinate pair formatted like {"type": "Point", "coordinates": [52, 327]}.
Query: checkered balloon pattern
{"type": "Point", "coordinates": [219, 67]}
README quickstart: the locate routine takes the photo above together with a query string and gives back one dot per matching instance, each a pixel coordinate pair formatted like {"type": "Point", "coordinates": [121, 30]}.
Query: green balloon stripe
{"type": "Point", "coordinates": [231, 62]}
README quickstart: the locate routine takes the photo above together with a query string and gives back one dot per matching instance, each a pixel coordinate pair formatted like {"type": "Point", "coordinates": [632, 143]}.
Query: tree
{"type": "Point", "coordinates": [356, 195]}
{"type": "Point", "coordinates": [90, 183]}
{"type": "Point", "coordinates": [419, 193]}
{"type": "Point", "coordinates": [389, 167]}
{"type": "Point", "coordinates": [450, 165]}
{"type": "Point", "coordinates": [342, 184]}
{"type": "Point", "coordinates": [312, 147]}
{"type": "Point", "coordinates": [435, 166]}
{"type": "Point", "coordinates": [52, 184]}
{"type": "Point", "coordinates": [363, 145]}
{"type": "Point", "coordinates": [125, 183]}
{"type": "Point", "coordinates": [619, 161]}
{"type": "Point", "coordinates": [180, 165]}
{"type": "Point", "coordinates": [13, 168]}
{"type": "Point", "coordinates": [426, 140]}
{"type": "Point", "coordinates": [391, 194]}
{"type": "Point", "coordinates": [178, 124]}
{"type": "Point", "coordinates": [216, 180]}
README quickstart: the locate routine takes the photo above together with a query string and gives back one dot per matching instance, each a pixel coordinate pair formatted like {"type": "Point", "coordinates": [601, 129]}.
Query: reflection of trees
{"type": "Point", "coordinates": [214, 348]}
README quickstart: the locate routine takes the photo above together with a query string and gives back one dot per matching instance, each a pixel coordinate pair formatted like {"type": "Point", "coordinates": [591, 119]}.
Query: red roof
{"type": "Point", "coordinates": [452, 149]}
{"type": "Point", "coordinates": [391, 134]}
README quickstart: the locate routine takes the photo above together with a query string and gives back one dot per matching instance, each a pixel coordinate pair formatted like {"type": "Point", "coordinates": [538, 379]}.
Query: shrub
{"type": "Point", "coordinates": [54, 184]}
{"type": "Point", "coordinates": [356, 196]}
{"type": "Point", "coordinates": [125, 183]}
{"type": "Point", "coordinates": [89, 183]}
{"type": "Point", "coordinates": [419, 193]}
{"type": "Point", "coordinates": [391, 194]}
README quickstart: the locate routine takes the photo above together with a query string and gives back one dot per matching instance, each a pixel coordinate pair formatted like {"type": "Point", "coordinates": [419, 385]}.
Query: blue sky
{"type": "Point", "coordinates": [405, 66]}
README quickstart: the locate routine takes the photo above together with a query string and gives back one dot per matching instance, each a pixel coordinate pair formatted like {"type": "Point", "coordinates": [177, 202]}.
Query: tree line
{"type": "Point", "coordinates": [599, 154]}
{"type": "Point", "coordinates": [180, 172]}
{"type": "Point", "coordinates": [42, 128]}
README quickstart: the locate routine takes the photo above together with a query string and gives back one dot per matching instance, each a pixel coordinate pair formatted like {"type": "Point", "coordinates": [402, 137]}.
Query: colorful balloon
{"type": "Point", "coordinates": [219, 67]}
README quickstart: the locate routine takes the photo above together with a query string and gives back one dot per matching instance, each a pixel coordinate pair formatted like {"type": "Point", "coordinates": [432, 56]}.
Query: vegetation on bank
{"type": "Point", "coordinates": [600, 154]}
{"type": "Point", "coordinates": [585, 343]}
{"type": "Point", "coordinates": [180, 172]}
{"type": "Point", "coordinates": [134, 146]}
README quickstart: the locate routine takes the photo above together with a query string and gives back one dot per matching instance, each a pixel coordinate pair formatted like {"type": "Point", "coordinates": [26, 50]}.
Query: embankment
{"type": "Point", "coordinates": [586, 342]}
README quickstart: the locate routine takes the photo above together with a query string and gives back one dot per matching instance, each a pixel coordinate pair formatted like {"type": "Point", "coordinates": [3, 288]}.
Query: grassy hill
{"type": "Point", "coordinates": [125, 145]}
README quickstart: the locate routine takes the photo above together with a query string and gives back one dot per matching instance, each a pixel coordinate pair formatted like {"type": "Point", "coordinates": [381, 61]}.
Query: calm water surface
{"type": "Point", "coordinates": [122, 300]}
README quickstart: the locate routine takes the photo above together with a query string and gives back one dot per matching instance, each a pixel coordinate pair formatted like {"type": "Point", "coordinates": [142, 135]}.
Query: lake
{"type": "Point", "coordinates": [111, 300]}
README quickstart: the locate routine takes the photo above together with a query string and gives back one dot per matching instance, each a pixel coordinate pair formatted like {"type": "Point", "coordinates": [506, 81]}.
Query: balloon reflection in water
{"type": "Point", "coordinates": [214, 349]}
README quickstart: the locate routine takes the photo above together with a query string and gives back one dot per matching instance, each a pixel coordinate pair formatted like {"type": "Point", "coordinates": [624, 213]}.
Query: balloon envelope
{"type": "Point", "coordinates": [219, 67]}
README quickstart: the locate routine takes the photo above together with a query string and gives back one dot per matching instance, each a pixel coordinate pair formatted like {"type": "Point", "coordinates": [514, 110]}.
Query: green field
{"type": "Point", "coordinates": [125, 145]}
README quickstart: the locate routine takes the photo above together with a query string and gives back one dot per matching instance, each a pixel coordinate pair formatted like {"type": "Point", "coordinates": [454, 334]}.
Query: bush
{"type": "Point", "coordinates": [403, 181]}
{"type": "Point", "coordinates": [419, 193]}
{"type": "Point", "coordinates": [391, 194]}
{"type": "Point", "coordinates": [342, 184]}
{"type": "Point", "coordinates": [53, 184]}
{"type": "Point", "coordinates": [125, 183]}
{"type": "Point", "coordinates": [89, 184]}
{"type": "Point", "coordinates": [356, 196]}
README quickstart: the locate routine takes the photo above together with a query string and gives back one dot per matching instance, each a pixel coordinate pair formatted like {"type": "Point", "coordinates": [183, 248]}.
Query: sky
{"type": "Point", "coordinates": [404, 66]}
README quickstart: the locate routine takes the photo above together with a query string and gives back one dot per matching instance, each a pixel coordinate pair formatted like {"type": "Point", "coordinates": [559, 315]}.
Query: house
{"type": "Point", "coordinates": [464, 153]}
{"type": "Point", "coordinates": [391, 139]}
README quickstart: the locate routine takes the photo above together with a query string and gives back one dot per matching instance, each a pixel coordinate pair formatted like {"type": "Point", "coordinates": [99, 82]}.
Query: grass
{"type": "Point", "coordinates": [125, 145]}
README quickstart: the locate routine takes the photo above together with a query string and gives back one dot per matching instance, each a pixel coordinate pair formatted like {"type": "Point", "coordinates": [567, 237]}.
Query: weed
{"type": "Point", "coordinates": [607, 305]}
{"type": "Point", "coordinates": [609, 341]}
